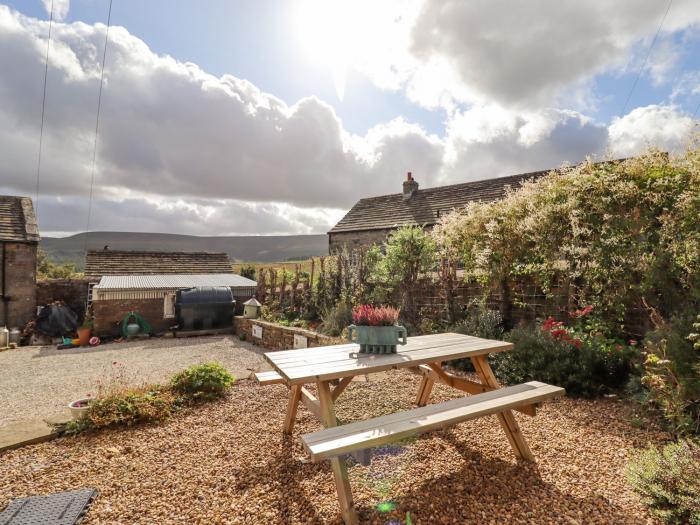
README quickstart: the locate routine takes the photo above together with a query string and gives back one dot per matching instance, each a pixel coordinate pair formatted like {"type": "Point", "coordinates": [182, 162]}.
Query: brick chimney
{"type": "Point", "coordinates": [410, 186]}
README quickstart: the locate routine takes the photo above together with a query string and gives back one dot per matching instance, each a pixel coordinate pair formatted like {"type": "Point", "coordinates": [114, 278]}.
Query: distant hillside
{"type": "Point", "coordinates": [258, 248]}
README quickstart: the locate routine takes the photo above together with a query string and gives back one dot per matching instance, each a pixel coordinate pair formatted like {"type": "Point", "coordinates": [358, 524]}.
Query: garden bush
{"type": "Point", "coordinates": [671, 373]}
{"type": "Point", "coordinates": [621, 236]}
{"type": "Point", "coordinates": [123, 406]}
{"type": "Point", "coordinates": [202, 382]}
{"type": "Point", "coordinates": [585, 367]}
{"type": "Point", "coordinates": [668, 480]}
{"type": "Point", "coordinates": [336, 319]}
{"type": "Point", "coordinates": [130, 406]}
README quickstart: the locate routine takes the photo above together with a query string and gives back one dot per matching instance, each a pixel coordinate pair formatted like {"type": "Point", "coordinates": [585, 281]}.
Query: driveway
{"type": "Point", "coordinates": [38, 382]}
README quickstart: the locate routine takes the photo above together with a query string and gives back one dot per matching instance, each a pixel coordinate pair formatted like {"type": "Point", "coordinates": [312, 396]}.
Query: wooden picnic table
{"type": "Point", "coordinates": [332, 369]}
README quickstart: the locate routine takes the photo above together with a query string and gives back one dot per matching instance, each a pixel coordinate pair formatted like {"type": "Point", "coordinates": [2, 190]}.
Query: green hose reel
{"type": "Point", "coordinates": [127, 325]}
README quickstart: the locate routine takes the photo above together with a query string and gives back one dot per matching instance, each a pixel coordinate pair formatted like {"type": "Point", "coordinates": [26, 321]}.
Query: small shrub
{"type": "Point", "coordinates": [671, 374]}
{"type": "Point", "coordinates": [668, 480]}
{"type": "Point", "coordinates": [336, 319]}
{"type": "Point", "coordinates": [131, 406]}
{"type": "Point", "coordinates": [581, 366]}
{"type": "Point", "coordinates": [202, 382]}
{"type": "Point", "coordinates": [248, 271]}
{"type": "Point", "coordinates": [480, 321]}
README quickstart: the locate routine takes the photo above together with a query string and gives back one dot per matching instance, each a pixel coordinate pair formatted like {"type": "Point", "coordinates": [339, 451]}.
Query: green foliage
{"type": "Point", "coordinates": [47, 269]}
{"type": "Point", "coordinates": [584, 369]}
{"type": "Point", "coordinates": [131, 406]}
{"type": "Point", "coordinates": [202, 382]}
{"type": "Point", "coordinates": [248, 272]}
{"type": "Point", "coordinates": [336, 319]}
{"type": "Point", "coordinates": [620, 236]}
{"type": "Point", "coordinates": [671, 374]}
{"type": "Point", "coordinates": [409, 254]}
{"type": "Point", "coordinates": [668, 480]}
{"type": "Point", "coordinates": [480, 321]}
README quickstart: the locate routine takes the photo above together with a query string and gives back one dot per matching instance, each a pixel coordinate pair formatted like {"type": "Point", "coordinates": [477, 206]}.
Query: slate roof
{"type": "Point", "coordinates": [425, 206]}
{"type": "Point", "coordinates": [123, 262]}
{"type": "Point", "coordinates": [17, 220]}
{"type": "Point", "coordinates": [172, 281]}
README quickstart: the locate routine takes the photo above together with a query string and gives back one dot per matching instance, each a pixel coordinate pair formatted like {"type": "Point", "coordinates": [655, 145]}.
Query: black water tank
{"type": "Point", "coordinates": [204, 307]}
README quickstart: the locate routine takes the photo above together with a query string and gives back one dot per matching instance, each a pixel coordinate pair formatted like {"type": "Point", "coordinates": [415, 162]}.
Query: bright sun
{"type": "Point", "coordinates": [328, 31]}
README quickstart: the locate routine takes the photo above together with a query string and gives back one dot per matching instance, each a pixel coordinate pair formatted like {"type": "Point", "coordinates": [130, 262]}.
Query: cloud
{"type": "Point", "coordinates": [446, 53]}
{"type": "Point", "coordinates": [488, 141]}
{"type": "Point", "coordinates": [664, 127]}
{"type": "Point", "coordinates": [169, 130]}
{"type": "Point", "coordinates": [181, 150]}
{"type": "Point", "coordinates": [60, 8]}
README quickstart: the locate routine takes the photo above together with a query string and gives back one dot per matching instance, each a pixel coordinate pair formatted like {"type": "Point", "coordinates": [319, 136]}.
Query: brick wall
{"type": "Point", "coordinates": [109, 314]}
{"type": "Point", "coordinates": [73, 292]}
{"type": "Point", "coordinates": [20, 281]}
{"type": "Point", "coordinates": [278, 337]}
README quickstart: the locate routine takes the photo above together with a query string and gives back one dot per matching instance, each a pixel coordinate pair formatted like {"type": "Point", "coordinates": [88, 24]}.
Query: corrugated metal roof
{"type": "Point", "coordinates": [172, 282]}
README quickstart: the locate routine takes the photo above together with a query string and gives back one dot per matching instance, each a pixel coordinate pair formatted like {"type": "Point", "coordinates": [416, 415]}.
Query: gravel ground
{"type": "Point", "coordinates": [228, 462]}
{"type": "Point", "coordinates": [38, 382]}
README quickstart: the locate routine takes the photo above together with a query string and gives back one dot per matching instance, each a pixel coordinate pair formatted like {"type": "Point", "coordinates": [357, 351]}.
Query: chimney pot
{"type": "Point", "coordinates": [410, 186]}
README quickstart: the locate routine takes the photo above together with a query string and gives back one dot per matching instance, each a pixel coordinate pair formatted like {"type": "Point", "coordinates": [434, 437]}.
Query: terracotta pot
{"type": "Point", "coordinates": [84, 336]}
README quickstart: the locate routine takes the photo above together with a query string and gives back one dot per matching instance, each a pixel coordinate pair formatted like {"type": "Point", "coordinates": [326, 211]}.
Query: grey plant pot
{"type": "Point", "coordinates": [377, 339]}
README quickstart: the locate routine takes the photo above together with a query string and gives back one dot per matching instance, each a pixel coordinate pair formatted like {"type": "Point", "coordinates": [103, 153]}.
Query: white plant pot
{"type": "Point", "coordinates": [79, 412]}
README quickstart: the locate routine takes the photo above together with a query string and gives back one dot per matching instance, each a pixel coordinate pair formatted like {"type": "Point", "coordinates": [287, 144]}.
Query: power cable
{"type": "Point", "coordinates": [43, 111]}
{"type": "Point", "coordinates": [97, 126]}
{"type": "Point", "coordinates": [646, 58]}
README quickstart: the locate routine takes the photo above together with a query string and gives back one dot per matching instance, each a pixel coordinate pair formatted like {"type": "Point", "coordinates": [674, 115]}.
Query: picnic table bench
{"type": "Point", "coordinates": [423, 355]}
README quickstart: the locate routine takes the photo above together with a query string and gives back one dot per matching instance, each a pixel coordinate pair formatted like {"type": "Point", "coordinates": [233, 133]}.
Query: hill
{"type": "Point", "coordinates": [252, 248]}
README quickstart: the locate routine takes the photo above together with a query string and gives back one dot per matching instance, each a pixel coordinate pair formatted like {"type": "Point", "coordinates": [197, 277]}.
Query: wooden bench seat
{"type": "Point", "coordinates": [268, 378]}
{"type": "Point", "coordinates": [335, 441]}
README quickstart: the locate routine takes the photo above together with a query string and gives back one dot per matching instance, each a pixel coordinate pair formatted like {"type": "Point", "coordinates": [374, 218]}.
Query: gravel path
{"type": "Point", "coordinates": [38, 382]}
{"type": "Point", "coordinates": [228, 463]}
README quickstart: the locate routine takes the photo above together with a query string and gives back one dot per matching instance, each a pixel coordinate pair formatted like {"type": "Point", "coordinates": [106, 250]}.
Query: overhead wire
{"type": "Point", "coordinates": [97, 127]}
{"type": "Point", "coordinates": [43, 112]}
{"type": "Point", "coordinates": [646, 58]}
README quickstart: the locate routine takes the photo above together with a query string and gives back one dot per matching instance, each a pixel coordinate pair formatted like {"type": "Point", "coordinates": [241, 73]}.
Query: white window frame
{"type": "Point", "coordinates": [169, 305]}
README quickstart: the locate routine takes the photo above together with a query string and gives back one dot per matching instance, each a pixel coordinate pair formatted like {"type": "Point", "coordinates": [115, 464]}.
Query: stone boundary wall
{"type": "Point", "coordinates": [278, 337]}
{"type": "Point", "coordinates": [73, 292]}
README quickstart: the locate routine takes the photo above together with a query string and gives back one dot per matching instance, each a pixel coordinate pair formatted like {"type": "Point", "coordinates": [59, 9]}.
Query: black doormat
{"type": "Point", "coordinates": [64, 508]}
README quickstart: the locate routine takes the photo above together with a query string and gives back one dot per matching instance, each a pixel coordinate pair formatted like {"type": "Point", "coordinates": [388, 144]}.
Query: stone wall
{"type": "Point", "coordinates": [278, 337]}
{"type": "Point", "coordinates": [20, 281]}
{"type": "Point", "coordinates": [73, 292]}
{"type": "Point", "coordinates": [357, 239]}
{"type": "Point", "coordinates": [108, 315]}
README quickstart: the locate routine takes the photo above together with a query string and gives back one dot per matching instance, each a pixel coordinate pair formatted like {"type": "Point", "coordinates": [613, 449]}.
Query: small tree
{"type": "Point", "coordinates": [248, 272]}
{"type": "Point", "coordinates": [410, 253]}
{"type": "Point", "coordinates": [47, 269]}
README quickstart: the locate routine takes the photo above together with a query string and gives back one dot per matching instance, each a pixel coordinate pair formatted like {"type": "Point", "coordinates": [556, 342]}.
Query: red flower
{"type": "Point", "coordinates": [560, 332]}
{"type": "Point", "coordinates": [583, 312]}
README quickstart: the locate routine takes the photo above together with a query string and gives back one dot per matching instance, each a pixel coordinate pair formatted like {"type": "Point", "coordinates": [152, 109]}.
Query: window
{"type": "Point", "coordinates": [169, 305]}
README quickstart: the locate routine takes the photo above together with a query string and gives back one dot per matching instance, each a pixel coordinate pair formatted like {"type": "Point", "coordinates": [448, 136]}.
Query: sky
{"type": "Point", "coordinates": [274, 117]}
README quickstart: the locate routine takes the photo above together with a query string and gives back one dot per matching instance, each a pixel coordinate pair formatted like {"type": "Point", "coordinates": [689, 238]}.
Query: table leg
{"type": "Point", "coordinates": [425, 389]}
{"type": "Point", "coordinates": [340, 469]}
{"type": "Point", "coordinates": [506, 418]}
{"type": "Point", "coordinates": [292, 405]}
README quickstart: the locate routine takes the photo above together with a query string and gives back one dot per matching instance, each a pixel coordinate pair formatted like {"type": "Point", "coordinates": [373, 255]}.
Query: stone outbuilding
{"type": "Point", "coordinates": [146, 282]}
{"type": "Point", "coordinates": [19, 239]}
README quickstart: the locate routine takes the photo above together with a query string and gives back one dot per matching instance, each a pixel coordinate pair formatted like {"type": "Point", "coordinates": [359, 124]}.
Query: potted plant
{"type": "Point", "coordinates": [85, 329]}
{"type": "Point", "coordinates": [79, 408]}
{"type": "Point", "coordinates": [375, 329]}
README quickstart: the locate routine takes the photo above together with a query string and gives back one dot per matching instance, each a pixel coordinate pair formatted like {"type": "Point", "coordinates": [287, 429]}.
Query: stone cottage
{"type": "Point", "coordinates": [372, 219]}
{"type": "Point", "coordinates": [19, 239]}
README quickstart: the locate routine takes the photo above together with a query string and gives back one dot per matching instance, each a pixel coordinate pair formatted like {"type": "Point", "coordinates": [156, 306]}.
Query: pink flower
{"type": "Point", "coordinates": [633, 342]}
